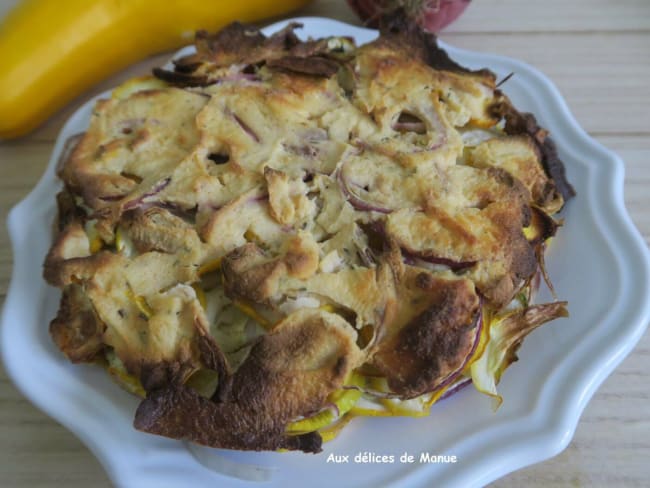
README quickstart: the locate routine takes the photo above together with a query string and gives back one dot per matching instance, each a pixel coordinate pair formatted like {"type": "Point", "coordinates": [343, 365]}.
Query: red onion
{"type": "Point", "coordinates": [262, 197]}
{"type": "Point", "coordinates": [456, 387]}
{"type": "Point", "coordinates": [356, 201]}
{"type": "Point", "coordinates": [245, 127]}
{"type": "Point", "coordinates": [160, 186]}
{"type": "Point", "coordinates": [111, 198]}
{"type": "Point", "coordinates": [430, 15]}
{"type": "Point", "coordinates": [411, 257]}
{"type": "Point", "coordinates": [409, 123]}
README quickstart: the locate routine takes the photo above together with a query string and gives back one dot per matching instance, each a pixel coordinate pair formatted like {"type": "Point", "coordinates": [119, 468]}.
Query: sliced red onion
{"type": "Point", "coordinates": [411, 257]}
{"type": "Point", "coordinates": [207, 207]}
{"type": "Point", "coordinates": [112, 198]}
{"type": "Point", "coordinates": [264, 197]}
{"type": "Point", "coordinates": [456, 387]}
{"type": "Point", "coordinates": [428, 122]}
{"type": "Point", "coordinates": [417, 127]}
{"type": "Point", "coordinates": [137, 202]}
{"type": "Point", "coordinates": [245, 127]}
{"type": "Point", "coordinates": [355, 200]}
{"type": "Point", "coordinates": [407, 122]}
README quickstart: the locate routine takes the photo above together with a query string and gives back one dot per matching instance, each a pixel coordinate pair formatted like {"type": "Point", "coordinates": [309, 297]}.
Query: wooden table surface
{"type": "Point", "coordinates": [598, 53]}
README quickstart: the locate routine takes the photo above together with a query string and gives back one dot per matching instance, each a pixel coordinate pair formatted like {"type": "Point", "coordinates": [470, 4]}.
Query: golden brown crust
{"type": "Point", "coordinates": [179, 412]}
{"type": "Point", "coordinates": [129, 145]}
{"type": "Point", "coordinates": [400, 32]}
{"type": "Point", "coordinates": [289, 373]}
{"type": "Point", "coordinates": [70, 243]}
{"type": "Point", "coordinates": [525, 123]}
{"type": "Point", "coordinates": [156, 229]}
{"type": "Point", "coordinates": [226, 228]}
{"type": "Point", "coordinates": [76, 329]}
{"type": "Point", "coordinates": [431, 334]}
{"type": "Point", "coordinates": [63, 272]}
{"type": "Point", "coordinates": [248, 275]}
{"type": "Point", "coordinates": [519, 156]}
{"type": "Point", "coordinates": [490, 241]}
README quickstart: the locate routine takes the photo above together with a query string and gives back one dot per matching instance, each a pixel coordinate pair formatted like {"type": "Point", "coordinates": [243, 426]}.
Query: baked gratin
{"type": "Point", "coordinates": [276, 236]}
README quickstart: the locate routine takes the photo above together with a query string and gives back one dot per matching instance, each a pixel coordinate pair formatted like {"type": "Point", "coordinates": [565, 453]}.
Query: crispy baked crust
{"type": "Point", "coordinates": [518, 123]}
{"type": "Point", "coordinates": [430, 334]}
{"type": "Point", "coordinates": [76, 329]}
{"type": "Point", "coordinates": [241, 234]}
{"type": "Point", "coordinates": [289, 373]}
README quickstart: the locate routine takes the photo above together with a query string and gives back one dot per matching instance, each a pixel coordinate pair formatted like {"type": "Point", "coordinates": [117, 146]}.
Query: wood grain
{"type": "Point", "coordinates": [598, 53]}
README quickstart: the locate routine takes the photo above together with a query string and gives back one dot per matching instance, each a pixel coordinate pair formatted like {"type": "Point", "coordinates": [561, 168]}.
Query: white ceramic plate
{"type": "Point", "coordinates": [599, 263]}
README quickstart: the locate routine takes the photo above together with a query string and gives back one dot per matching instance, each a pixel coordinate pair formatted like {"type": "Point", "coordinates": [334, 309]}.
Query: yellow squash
{"type": "Point", "coordinates": [51, 51]}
